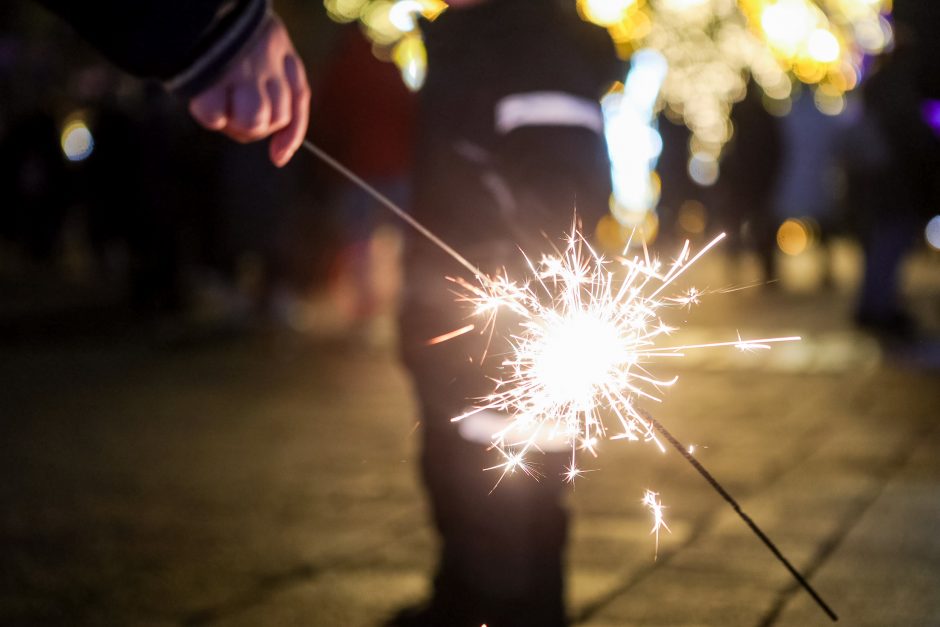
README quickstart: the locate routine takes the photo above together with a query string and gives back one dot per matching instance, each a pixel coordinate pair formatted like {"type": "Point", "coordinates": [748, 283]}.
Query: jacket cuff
{"type": "Point", "coordinates": [235, 33]}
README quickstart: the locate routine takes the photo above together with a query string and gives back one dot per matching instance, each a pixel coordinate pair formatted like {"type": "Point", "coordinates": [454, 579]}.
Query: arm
{"type": "Point", "coordinates": [231, 59]}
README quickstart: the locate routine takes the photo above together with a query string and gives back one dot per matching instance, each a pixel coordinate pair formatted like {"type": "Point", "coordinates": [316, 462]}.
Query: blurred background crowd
{"type": "Point", "coordinates": [807, 131]}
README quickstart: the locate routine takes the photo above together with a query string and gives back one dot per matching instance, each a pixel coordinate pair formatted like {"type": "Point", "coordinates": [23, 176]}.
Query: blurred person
{"type": "Point", "coordinates": [510, 143]}
{"type": "Point", "coordinates": [677, 187]}
{"type": "Point", "coordinates": [232, 60]}
{"type": "Point", "coordinates": [892, 160]}
{"type": "Point", "coordinates": [376, 142]}
{"type": "Point", "coordinates": [749, 172]}
{"type": "Point", "coordinates": [811, 184]}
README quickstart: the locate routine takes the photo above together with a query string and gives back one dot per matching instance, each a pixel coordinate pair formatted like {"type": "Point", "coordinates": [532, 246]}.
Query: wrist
{"type": "Point", "coordinates": [237, 33]}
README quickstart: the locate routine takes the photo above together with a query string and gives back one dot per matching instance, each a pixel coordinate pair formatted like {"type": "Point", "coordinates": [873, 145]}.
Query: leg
{"type": "Point", "coordinates": [501, 549]}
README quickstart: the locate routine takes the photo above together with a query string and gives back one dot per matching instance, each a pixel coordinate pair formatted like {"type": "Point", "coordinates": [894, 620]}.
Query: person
{"type": "Point", "coordinates": [892, 161]}
{"type": "Point", "coordinates": [750, 170]}
{"type": "Point", "coordinates": [231, 60]}
{"type": "Point", "coordinates": [510, 143]}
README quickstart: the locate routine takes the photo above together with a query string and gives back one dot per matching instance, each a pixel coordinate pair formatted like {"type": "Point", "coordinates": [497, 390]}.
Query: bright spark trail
{"type": "Point", "coordinates": [651, 501]}
{"type": "Point", "coordinates": [589, 327]}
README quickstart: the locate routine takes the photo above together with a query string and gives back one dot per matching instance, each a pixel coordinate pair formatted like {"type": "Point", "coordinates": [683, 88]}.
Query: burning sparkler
{"type": "Point", "coordinates": [589, 325]}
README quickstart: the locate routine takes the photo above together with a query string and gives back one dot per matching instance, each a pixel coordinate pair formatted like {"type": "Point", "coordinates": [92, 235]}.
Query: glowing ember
{"type": "Point", "coordinates": [651, 501]}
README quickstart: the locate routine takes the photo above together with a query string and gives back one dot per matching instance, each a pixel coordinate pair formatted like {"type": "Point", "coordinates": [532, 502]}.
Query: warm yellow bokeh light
{"type": "Point", "coordinates": [793, 237]}
{"type": "Point", "coordinates": [823, 46]}
{"type": "Point", "coordinates": [345, 10]}
{"type": "Point", "coordinates": [605, 12]}
{"type": "Point", "coordinates": [613, 237]}
{"type": "Point", "coordinates": [683, 5]}
{"type": "Point", "coordinates": [829, 101]}
{"type": "Point", "coordinates": [392, 27]}
{"type": "Point", "coordinates": [377, 18]}
{"type": "Point", "coordinates": [692, 217]}
{"type": "Point", "coordinates": [788, 24]}
{"type": "Point", "coordinates": [411, 58]}
{"type": "Point", "coordinates": [714, 52]}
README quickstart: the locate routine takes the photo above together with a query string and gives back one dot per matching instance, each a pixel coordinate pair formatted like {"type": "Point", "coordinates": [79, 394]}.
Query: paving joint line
{"type": "Point", "coordinates": [897, 462]}
{"type": "Point", "coordinates": [591, 609]}
{"type": "Point", "coordinates": [267, 585]}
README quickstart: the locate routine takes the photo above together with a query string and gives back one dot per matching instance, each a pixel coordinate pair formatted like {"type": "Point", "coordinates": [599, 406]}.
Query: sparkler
{"type": "Point", "coordinates": [587, 337]}
{"type": "Point", "coordinates": [589, 329]}
{"type": "Point", "coordinates": [589, 326]}
{"type": "Point", "coordinates": [800, 579]}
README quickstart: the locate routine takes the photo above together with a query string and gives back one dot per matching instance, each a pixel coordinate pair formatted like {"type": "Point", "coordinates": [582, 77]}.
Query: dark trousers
{"type": "Point", "coordinates": [501, 558]}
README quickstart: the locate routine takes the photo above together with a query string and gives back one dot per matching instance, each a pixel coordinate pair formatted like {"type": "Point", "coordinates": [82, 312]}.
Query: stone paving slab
{"type": "Point", "coordinates": [887, 569]}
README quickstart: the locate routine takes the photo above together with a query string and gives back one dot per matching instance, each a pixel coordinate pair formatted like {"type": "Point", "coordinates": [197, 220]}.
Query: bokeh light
{"type": "Point", "coordinates": [403, 15]}
{"type": "Point", "coordinates": [612, 236]}
{"type": "Point", "coordinates": [823, 46]}
{"type": "Point", "coordinates": [605, 12]}
{"type": "Point", "coordinates": [377, 19]}
{"type": "Point", "coordinates": [392, 26]}
{"type": "Point", "coordinates": [822, 43]}
{"type": "Point", "coordinates": [930, 112]}
{"type": "Point", "coordinates": [710, 52]}
{"type": "Point", "coordinates": [829, 101]}
{"type": "Point", "coordinates": [633, 141]}
{"type": "Point", "coordinates": [932, 233]}
{"type": "Point", "coordinates": [76, 140]}
{"type": "Point", "coordinates": [703, 169]}
{"type": "Point", "coordinates": [788, 24]}
{"type": "Point", "coordinates": [797, 235]}
{"type": "Point", "coordinates": [693, 217]}
{"type": "Point", "coordinates": [344, 10]}
{"type": "Point", "coordinates": [412, 60]}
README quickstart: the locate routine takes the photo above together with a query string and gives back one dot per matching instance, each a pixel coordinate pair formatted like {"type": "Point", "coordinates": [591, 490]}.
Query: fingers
{"type": "Point", "coordinates": [249, 113]}
{"type": "Point", "coordinates": [264, 94]}
{"type": "Point", "coordinates": [210, 108]}
{"type": "Point", "coordinates": [287, 141]}
{"type": "Point", "coordinates": [279, 98]}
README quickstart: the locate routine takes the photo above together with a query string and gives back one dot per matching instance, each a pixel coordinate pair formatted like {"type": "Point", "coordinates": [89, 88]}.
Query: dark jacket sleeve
{"type": "Point", "coordinates": [187, 44]}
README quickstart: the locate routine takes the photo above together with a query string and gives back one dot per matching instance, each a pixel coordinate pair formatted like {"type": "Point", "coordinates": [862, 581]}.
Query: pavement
{"type": "Point", "coordinates": [254, 479]}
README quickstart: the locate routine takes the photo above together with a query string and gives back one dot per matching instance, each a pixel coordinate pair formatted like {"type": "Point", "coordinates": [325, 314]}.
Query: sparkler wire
{"type": "Point", "coordinates": [737, 508]}
{"type": "Point", "coordinates": [420, 228]}
{"type": "Point", "coordinates": [391, 206]}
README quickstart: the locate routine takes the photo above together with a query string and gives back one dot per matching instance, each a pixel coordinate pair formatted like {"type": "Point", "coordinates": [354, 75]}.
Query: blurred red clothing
{"type": "Point", "coordinates": [364, 115]}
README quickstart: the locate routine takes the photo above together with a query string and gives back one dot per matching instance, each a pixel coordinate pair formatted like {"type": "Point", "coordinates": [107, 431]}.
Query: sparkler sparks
{"type": "Point", "coordinates": [588, 328]}
{"type": "Point", "coordinates": [652, 502]}
{"type": "Point", "coordinates": [579, 295]}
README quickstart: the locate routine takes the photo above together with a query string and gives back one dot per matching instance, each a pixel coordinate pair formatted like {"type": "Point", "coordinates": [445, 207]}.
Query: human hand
{"type": "Point", "coordinates": [264, 93]}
